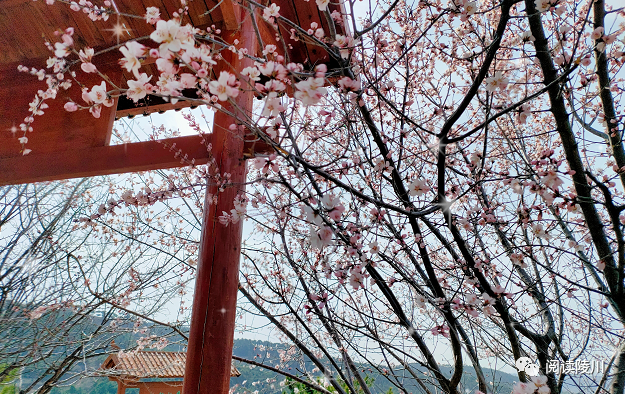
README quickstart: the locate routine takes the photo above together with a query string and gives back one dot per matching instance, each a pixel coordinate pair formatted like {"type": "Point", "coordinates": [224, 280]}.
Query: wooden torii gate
{"type": "Point", "coordinates": [69, 145]}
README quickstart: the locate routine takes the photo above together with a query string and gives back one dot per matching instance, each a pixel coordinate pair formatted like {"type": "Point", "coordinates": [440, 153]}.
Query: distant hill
{"type": "Point", "coordinates": [255, 378]}
{"type": "Point", "coordinates": [260, 379]}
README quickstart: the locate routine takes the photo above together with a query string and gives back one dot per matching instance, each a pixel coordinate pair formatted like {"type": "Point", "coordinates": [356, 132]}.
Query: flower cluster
{"type": "Point", "coordinates": [497, 81]}
{"type": "Point", "coordinates": [345, 44]}
{"type": "Point", "coordinates": [549, 5]}
{"type": "Point", "coordinates": [311, 91]}
{"type": "Point", "coordinates": [536, 385]}
{"type": "Point", "coordinates": [144, 197]}
{"type": "Point", "coordinates": [94, 12]}
{"type": "Point", "coordinates": [464, 8]}
{"type": "Point", "coordinates": [237, 214]}
{"type": "Point", "coordinates": [271, 13]}
{"type": "Point", "coordinates": [418, 187]}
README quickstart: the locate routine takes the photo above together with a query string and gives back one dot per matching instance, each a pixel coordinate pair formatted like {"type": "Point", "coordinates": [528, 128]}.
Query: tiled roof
{"type": "Point", "coordinates": [149, 365]}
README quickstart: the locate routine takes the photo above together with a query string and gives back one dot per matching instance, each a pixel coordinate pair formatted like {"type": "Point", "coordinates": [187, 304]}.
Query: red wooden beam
{"type": "Point", "coordinates": [231, 14]}
{"type": "Point", "coordinates": [115, 159]}
{"type": "Point", "coordinates": [57, 130]}
{"type": "Point", "coordinates": [214, 304]}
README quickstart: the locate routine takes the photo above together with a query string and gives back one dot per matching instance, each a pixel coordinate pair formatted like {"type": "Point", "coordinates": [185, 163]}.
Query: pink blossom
{"type": "Point", "coordinates": [471, 299]}
{"type": "Point", "coordinates": [517, 259]}
{"type": "Point", "coordinates": [418, 187]}
{"type": "Point", "coordinates": [225, 218]}
{"type": "Point", "coordinates": [269, 49]}
{"type": "Point", "coordinates": [161, 344]}
{"type": "Point", "coordinates": [349, 85]}
{"type": "Point", "coordinates": [98, 95]}
{"type": "Point", "coordinates": [539, 231]}
{"type": "Point", "coordinates": [323, 4]}
{"type": "Point", "coordinates": [489, 310]}
{"type": "Point", "coordinates": [337, 17]}
{"type": "Point", "coordinates": [524, 388]}
{"type": "Point", "coordinates": [543, 5]}
{"type": "Point", "coordinates": [166, 65]}
{"type": "Point", "coordinates": [540, 382]}
{"type": "Point", "coordinates": [498, 81]}
{"type": "Point", "coordinates": [267, 164]}
{"type": "Point", "coordinates": [470, 7]}
{"type": "Point", "coordinates": [345, 45]}
{"type": "Point", "coordinates": [169, 86]}
{"type": "Point", "coordinates": [273, 105]}
{"type": "Point", "coordinates": [356, 279]}
{"type": "Point", "coordinates": [152, 15]}
{"type": "Point", "coordinates": [609, 39]}
{"type": "Point", "coordinates": [133, 52]}
{"type": "Point", "coordinates": [527, 36]}
{"type": "Point", "coordinates": [311, 91]}
{"type": "Point", "coordinates": [336, 213]}
{"type": "Point", "coordinates": [172, 36]}
{"type": "Point", "coordinates": [382, 165]}
{"type": "Point", "coordinates": [188, 81]}
{"type": "Point", "coordinates": [37, 106]}
{"type": "Point", "coordinates": [138, 89]}
{"type": "Point", "coordinates": [597, 33]}
{"type": "Point", "coordinates": [252, 73]}
{"type": "Point", "coordinates": [551, 180]}
{"type": "Point", "coordinates": [61, 50]}
{"type": "Point", "coordinates": [440, 330]}
{"type": "Point", "coordinates": [271, 12]}
{"type": "Point", "coordinates": [95, 110]}
{"type": "Point", "coordinates": [321, 239]}
{"type": "Point", "coordinates": [86, 55]}
{"type": "Point", "coordinates": [70, 106]}
{"type": "Point", "coordinates": [88, 67]}
{"type": "Point", "coordinates": [272, 69]}
{"type": "Point", "coordinates": [224, 87]}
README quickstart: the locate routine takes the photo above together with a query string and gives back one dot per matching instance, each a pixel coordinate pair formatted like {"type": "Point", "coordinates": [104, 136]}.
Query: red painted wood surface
{"type": "Point", "coordinates": [71, 138]}
{"type": "Point", "coordinates": [214, 305]}
{"type": "Point", "coordinates": [115, 159]}
{"type": "Point", "coordinates": [57, 129]}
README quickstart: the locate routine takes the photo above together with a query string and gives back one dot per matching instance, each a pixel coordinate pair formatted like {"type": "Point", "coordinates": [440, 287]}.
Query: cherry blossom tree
{"type": "Point", "coordinates": [447, 190]}
{"type": "Point", "coordinates": [67, 294]}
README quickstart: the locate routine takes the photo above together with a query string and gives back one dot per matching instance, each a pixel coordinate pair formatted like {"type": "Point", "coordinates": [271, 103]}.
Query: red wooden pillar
{"type": "Point", "coordinates": [214, 304]}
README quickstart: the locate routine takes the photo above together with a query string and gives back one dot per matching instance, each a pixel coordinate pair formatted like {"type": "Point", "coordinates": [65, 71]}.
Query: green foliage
{"type": "Point", "coordinates": [7, 385]}
{"type": "Point", "coordinates": [8, 389]}
{"type": "Point", "coordinates": [293, 387]}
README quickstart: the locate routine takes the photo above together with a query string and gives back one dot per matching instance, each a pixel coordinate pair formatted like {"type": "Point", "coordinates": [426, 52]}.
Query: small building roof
{"type": "Point", "coordinates": [144, 365]}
